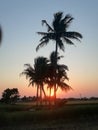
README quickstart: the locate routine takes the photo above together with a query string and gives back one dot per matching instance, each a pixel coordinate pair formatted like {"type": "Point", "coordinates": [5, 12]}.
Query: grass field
{"type": "Point", "coordinates": [75, 115]}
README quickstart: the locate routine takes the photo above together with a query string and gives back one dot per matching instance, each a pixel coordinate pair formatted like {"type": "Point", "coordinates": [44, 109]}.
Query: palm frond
{"type": "Point", "coordinates": [67, 20]}
{"type": "Point", "coordinates": [76, 34]}
{"type": "Point", "coordinates": [68, 41]}
{"type": "Point", "coordinates": [63, 67]}
{"type": "Point", "coordinates": [64, 86]}
{"type": "Point", "coordinates": [73, 35]}
{"type": "Point", "coordinates": [45, 39]}
{"type": "Point", "coordinates": [42, 33]}
{"type": "Point", "coordinates": [47, 35]}
{"type": "Point", "coordinates": [21, 74]}
{"type": "Point", "coordinates": [61, 45]}
{"type": "Point", "coordinates": [30, 84]}
{"type": "Point", "coordinates": [49, 27]}
{"type": "Point", "coordinates": [42, 44]}
{"type": "Point", "coordinates": [27, 65]}
{"type": "Point", "coordinates": [58, 16]}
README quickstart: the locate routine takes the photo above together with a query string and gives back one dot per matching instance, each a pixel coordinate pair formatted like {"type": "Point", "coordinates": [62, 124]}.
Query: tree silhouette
{"type": "Point", "coordinates": [37, 75]}
{"type": "Point", "coordinates": [10, 95]}
{"type": "Point", "coordinates": [58, 32]}
{"type": "Point", "coordinates": [61, 74]}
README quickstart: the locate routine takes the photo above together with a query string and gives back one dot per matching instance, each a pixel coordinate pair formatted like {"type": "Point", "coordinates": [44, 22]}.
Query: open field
{"type": "Point", "coordinates": [75, 115]}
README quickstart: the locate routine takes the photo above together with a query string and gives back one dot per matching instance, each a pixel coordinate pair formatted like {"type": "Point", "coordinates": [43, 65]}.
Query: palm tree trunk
{"type": "Point", "coordinates": [55, 93]}
{"type": "Point", "coordinates": [37, 92]}
{"type": "Point", "coordinates": [37, 95]}
{"type": "Point", "coordinates": [50, 97]}
{"type": "Point", "coordinates": [56, 51]}
{"type": "Point", "coordinates": [40, 95]}
{"type": "Point", "coordinates": [44, 92]}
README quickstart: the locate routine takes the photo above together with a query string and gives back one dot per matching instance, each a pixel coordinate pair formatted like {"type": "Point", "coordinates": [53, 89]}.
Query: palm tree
{"type": "Point", "coordinates": [58, 32]}
{"type": "Point", "coordinates": [0, 35]}
{"type": "Point", "coordinates": [41, 70]}
{"type": "Point", "coordinates": [61, 75]}
{"type": "Point", "coordinates": [32, 76]}
{"type": "Point", "coordinates": [36, 74]}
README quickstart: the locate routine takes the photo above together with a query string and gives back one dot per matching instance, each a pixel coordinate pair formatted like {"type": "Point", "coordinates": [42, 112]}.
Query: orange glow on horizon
{"type": "Point", "coordinates": [79, 88]}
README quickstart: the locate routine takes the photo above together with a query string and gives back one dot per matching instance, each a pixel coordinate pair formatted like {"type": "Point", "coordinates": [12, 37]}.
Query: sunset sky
{"type": "Point", "coordinates": [21, 19]}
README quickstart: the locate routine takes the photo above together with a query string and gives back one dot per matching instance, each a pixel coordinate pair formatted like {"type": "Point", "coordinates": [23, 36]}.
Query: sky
{"type": "Point", "coordinates": [21, 19]}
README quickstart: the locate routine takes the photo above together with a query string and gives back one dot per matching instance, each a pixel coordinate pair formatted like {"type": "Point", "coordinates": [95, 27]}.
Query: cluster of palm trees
{"type": "Point", "coordinates": [47, 72]}
{"type": "Point", "coordinates": [42, 75]}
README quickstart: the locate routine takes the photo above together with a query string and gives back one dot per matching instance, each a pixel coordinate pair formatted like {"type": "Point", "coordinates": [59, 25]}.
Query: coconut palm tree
{"type": "Point", "coordinates": [61, 75]}
{"type": "Point", "coordinates": [58, 32]}
{"type": "Point", "coordinates": [30, 74]}
{"type": "Point", "coordinates": [60, 80]}
{"type": "Point", "coordinates": [41, 70]}
{"type": "Point", "coordinates": [36, 74]}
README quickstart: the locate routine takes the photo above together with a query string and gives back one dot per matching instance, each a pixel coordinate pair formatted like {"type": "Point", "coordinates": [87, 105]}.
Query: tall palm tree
{"type": "Point", "coordinates": [36, 74]}
{"type": "Point", "coordinates": [0, 35]}
{"type": "Point", "coordinates": [61, 75]}
{"type": "Point", "coordinates": [58, 32]}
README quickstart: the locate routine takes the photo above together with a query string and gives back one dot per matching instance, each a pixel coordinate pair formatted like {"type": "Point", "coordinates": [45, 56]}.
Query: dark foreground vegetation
{"type": "Point", "coordinates": [79, 115]}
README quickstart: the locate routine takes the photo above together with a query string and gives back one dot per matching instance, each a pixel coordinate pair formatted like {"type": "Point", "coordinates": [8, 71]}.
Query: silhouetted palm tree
{"type": "Point", "coordinates": [61, 75]}
{"type": "Point", "coordinates": [37, 74]}
{"type": "Point", "coordinates": [41, 70]}
{"type": "Point", "coordinates": [32, 76]}
{"type": "Point", "coordinates": [59, 32]}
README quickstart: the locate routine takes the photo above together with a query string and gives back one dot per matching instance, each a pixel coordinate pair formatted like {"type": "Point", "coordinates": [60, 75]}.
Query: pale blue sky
{"type": "Point", "coordinates": [21, 19]}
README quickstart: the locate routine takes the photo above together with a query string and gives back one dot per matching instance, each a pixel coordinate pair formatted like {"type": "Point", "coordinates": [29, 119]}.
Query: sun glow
{"type": "Point", "coordinates": [52, 93]}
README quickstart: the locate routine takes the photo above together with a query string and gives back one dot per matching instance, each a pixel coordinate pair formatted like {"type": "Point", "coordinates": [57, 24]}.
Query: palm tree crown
{"type": "Point", "coordinates": [58, 31]}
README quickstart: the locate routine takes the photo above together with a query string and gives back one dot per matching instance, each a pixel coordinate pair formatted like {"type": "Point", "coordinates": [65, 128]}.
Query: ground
{"type": "Point", "coordinates": [74, 115]}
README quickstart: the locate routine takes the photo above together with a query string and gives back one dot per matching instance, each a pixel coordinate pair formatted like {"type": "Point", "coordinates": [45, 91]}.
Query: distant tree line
{"type": "Point", "coordinates": [12, 96]}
